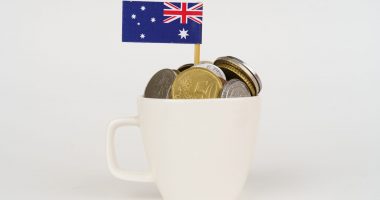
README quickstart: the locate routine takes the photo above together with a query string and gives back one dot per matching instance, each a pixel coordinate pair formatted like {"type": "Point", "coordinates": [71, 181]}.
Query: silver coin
{"type": "Point", "coordinates": [246, 69]}
{"type": "Point", "coordinates": [214, 69]}
{"type": "Point", "coordinates": [253, 72]}
{"type": "Point", "coordinates": [235, 88]}
{"type": "Point", "coordinates": [185, 67]}
{"type": "Point", "coordinates": [160, 84]}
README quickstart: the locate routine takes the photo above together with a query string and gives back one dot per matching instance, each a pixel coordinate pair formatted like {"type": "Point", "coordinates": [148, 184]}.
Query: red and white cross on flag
{"type": "Point", "coordinates": [183, 13]}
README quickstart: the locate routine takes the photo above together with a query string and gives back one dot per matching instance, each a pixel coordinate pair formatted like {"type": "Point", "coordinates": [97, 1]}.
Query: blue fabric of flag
{"type": "Point", "coordinates": [145, 21]}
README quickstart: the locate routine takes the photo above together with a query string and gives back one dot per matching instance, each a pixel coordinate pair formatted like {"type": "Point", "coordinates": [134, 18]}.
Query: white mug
{"type": "Point", "coordinates": [198, 149]}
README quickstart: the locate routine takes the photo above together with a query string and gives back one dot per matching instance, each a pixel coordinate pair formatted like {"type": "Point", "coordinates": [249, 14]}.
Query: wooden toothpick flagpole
{"type": "Point", "coordinates": [197, 53]}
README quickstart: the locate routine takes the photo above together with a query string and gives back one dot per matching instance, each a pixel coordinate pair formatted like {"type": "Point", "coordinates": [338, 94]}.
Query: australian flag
{"type": "Point", "coordinates": [162, 22]}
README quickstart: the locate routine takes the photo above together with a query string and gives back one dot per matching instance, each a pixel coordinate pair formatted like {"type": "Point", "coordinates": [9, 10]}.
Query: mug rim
{"type": "Point", "coordinates": [256, 98]}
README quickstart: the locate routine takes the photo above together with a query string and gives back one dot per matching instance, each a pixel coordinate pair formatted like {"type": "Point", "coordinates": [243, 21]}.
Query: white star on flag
{"type": "Point", "coordinates": [133, 16]}
{"type": "Point", "coordinates": [142, 8]}
{"type": "Point", "coordinates": [142, 36]}
{"type": "Point", "coordinates": [183, 33]}
{"type": "Point", "coordinates": [152, 19]}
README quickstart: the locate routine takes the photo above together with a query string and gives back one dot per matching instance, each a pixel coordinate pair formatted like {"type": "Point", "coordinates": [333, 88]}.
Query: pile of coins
{"type": "Point", "coordinates": [226, 77]}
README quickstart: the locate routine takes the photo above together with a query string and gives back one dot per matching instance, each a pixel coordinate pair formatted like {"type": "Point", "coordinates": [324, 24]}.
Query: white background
{"type": "Point", "coordinates": [64, 74]}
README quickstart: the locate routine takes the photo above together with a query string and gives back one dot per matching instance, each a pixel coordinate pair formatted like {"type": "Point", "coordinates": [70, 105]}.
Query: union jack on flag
{"type": "Point", "coordinates": [162, 22]}
{"type": "Point", "coordinates": [183, 13]}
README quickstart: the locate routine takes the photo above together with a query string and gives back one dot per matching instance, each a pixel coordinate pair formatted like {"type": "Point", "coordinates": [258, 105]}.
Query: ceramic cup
{"type": "Point", "coordinates": [196, 149]}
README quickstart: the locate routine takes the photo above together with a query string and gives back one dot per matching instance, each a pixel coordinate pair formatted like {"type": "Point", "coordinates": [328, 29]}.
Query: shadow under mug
{"type": "Point", "coordinates": [198, 149]}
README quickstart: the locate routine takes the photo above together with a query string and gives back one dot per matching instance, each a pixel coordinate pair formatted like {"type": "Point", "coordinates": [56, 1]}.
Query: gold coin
{"type": "Point", "coordinates": [196, 83]}
{"type": "Point", "coordinates": [233, 70]}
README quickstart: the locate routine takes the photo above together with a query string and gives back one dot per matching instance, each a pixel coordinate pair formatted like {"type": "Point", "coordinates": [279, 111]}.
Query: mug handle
{"type": "Point", "coordinates": [111, 153]}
